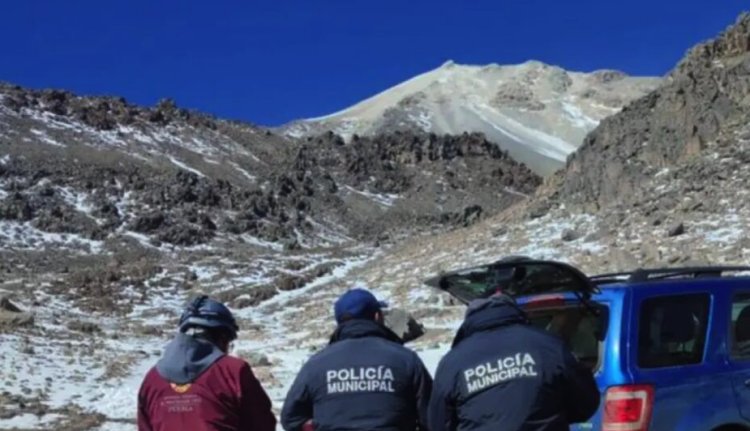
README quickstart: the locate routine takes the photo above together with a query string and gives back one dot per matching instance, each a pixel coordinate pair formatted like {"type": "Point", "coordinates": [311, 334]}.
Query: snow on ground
{"type": "Point", "coordinates": [44, 137]}
{"type": "Point", "coordinates": [244, 173]}
{"type": "Point", "coordinates": [384, 199]}
{"type": "Point", "coordinates": [24, 236]}
{"type": "Point", "coordinates": [29, 421]}
{"type": "Point", "coordinates": [291, 326]}
{"type": "Point", "coordinates": [185, 167]}
{"type": "Point", "coordinates": [78, 200]}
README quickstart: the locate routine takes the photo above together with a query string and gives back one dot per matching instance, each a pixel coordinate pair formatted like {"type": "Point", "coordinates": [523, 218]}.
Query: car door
{"type": "Point", "coordinates": [675, 355]}
{"type": "Point", "coordinates": [739, 349]}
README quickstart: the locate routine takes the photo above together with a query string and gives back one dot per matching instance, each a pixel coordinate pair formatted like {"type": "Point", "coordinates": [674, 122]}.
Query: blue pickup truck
{"type": "Point", "coordinates": [669, 347]}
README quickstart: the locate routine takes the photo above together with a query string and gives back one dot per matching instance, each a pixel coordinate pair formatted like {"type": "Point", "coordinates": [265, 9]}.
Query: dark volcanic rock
{"type": "Point", "coordinates": [101, 167]}
{"type": "Point", "coordinates": [676, 230]}
{"type": "Point", "coordinates": [16, 207]}
{"type": "Point", "coordinates": [704, 95]}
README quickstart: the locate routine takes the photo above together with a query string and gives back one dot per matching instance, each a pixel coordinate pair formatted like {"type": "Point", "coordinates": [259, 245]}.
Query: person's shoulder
{"type": "Point", "coordinates": [232, 363]}
{"type": "Point", "coordinates": [150, 379]}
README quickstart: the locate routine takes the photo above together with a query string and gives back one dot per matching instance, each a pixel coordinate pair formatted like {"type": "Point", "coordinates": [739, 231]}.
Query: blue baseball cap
{"type": "Point", "coordinates": [357, 304]}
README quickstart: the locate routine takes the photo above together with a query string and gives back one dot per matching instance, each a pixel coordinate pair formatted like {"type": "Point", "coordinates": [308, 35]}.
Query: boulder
{"type": "Point", "coordinates": [403, 324]}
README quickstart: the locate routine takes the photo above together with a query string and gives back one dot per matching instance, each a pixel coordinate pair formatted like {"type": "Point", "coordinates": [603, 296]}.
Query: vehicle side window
{"type": "Point", "coordinates": [672, 330]}
{"type": "Point", "coordinates": [740, 326]}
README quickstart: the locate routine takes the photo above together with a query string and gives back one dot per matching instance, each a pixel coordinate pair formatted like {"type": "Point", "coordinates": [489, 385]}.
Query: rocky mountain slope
{"type": "Point", "coordinates": [688, 129]}
{"type": "Point", "coordinates": [81, 166]}
{"type": "Point", "coordinates": [537, 112]}
{"type": "Point", "coordinates": [111, 215]}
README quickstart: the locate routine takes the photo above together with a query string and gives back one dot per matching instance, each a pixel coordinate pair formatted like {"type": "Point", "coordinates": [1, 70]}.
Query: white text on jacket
{"type": "Point", "coordinates": [361, 379]}
{"type": "Point", "coordinates": [492, 373]}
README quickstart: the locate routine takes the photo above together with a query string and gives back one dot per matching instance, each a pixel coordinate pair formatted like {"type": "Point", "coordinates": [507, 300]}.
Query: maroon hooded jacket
{"type": "Point", "coordinates": [194, 387]}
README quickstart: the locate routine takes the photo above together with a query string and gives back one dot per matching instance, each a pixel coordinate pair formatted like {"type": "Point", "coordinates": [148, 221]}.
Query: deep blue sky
{"type": "Point", "coordinates": [272, 61]}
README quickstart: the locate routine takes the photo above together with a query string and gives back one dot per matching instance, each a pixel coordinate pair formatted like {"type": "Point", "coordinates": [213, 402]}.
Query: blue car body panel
{"type": "Point", "coordinates": [698, 397]}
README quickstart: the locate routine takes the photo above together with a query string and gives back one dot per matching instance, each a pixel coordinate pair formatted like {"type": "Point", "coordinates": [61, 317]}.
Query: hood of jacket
{"type": "Point", "coordinates": [186, 357]}
{"type": "Point", "coordinates": [360, 328]}
{"type": "Point", "coordinates": [487, 314]}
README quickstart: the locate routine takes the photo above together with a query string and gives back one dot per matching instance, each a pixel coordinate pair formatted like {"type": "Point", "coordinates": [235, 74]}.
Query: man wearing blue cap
{"type": "Point", "coordinates": [364, 379]}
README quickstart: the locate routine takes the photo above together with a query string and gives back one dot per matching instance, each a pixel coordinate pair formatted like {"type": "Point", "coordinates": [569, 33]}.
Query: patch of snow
{"type": "Point", "coordinates": [605, 107]}
{"type": "Point", "coordinates": [548, 145]}
{"type": "Point", "coordinates": [5, 159]}
{"type": "Point", "coordinates": [204, 272]}
{"type": "Point", "coordinates": [515, 192]}
{"type": "Point", "coordinates": [384, 199]}
{"type": "Point", "coordinates": [244, 172]}
{"type": "Point", "coordinates": [138, 135]}
{"type": "Point", "coordinates": [76, 199]}
{"type": "Point", "coordinates": [424, 120]}
{"type": "Point", "coordinates": [339, 272]}
{"type": "Point", "coordinates": [201, 147]}
{"type": "Point", "coordinates": [249, 239]}
{"type": "Point", "coordinates": [495, 126]}
{"type": "Point", "coordinates": [44, 137]}
{"type": "Point", "coordinates": [24, 236]}
{"type": "Point", "coordinates": [142, 239]}
{"type": "Point", "coordinates": [185, 167]}
{"type": "Point", "coordinates": [297, 131]}
{"type": "Point", "coordinates": [29, 421]}
{"type": "Point", "coordinates": [331, 235]}
{"type": "Point", "coordinates": [51, 121]}
{"type": "Point", "coordinates": [577, 116]}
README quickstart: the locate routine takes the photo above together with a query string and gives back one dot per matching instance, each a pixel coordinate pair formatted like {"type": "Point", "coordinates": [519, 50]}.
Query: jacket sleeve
{"type": "Point", "coordinates": [423, 391]}
{"type": "Point", "coordinates": [298, 405]}
{"type": "Point", "coordinates": [580, 392]}
{"type": "Point", "coordinates": [255, 410]}
{"type": "Point", "coordinates": [442, 411]}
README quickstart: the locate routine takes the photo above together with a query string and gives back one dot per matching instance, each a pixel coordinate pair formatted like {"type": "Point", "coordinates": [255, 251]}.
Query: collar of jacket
{"type": "Point", "coordinates": [488, 314]}
{"type": "Point", "coordinates": [360, 328]}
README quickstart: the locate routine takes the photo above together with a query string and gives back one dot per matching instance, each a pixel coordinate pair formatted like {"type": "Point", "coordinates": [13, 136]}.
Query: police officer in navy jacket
{"type": "Point", "coordinates": [365, 379]}
{"type": "Point", "coordinates": [502, 374]}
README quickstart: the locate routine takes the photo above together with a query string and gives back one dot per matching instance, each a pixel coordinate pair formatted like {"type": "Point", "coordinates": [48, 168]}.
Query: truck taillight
{"type": "Point", "coordinates": [628, 408]}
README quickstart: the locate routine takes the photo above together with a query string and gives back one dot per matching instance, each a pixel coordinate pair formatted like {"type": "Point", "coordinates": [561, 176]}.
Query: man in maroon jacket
{"type": "Point", "coordinates": [197, 386]}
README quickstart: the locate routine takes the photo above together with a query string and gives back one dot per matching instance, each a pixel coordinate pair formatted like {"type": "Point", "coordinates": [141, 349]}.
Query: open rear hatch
{"type": "Point", "coordinates": [555, 295]}
{"type": "Point", "coordinates": [515, 276]}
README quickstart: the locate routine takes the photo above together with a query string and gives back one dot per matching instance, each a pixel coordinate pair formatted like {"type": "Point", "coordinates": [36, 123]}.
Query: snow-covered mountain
{"type": "Point", "coordinates": [537, 112]}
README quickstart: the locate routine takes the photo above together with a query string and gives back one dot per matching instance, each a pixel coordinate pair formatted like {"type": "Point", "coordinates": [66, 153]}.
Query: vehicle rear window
{"type": "Point", "coordinates": [741, 326]}
{"type": "Point", "coordinates": [582, 331]}
{"type": "Point", "coordinates": [672, 330]}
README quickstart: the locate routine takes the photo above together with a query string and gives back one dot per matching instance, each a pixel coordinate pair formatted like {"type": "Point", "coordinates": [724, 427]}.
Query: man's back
{"type": "Point", "coordinates": [223, 395]}
{"type": "Point", "coordinates": [504, 374]}
{"type": "Point", "coordinates": [364, 380]}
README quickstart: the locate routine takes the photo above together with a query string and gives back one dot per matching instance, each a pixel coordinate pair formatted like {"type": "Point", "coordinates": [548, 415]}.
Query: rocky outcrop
{"type": "Point", "coordinates": [12, 317]}
{"type": "Point", "coordinates": [98, 167]}
{"type": "Point", "coordinates": [101, 113]}
{"type": "Point", "coordinates": [703, 101]}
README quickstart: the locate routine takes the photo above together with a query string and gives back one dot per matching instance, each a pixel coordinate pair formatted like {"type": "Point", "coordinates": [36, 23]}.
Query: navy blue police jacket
{"type": "Point", "coordinates": [502, 374]}
{"type": "Point", "coordinates": [365, 379]}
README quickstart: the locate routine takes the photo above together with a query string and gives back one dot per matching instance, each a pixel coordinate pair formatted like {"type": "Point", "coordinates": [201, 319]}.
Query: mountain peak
{"type": "Point", "coordinates": [537, 112]}
{"type": "Point", "coordinates": [447, 64]}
